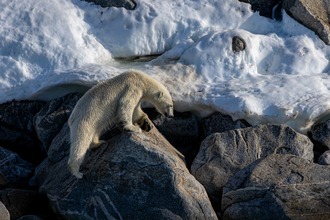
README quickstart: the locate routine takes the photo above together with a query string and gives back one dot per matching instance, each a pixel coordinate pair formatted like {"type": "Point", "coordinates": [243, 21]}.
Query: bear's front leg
{"type": "Point", "coordinates": [126, 107]}
{"type": "Point", "coordinates": [141, 118]}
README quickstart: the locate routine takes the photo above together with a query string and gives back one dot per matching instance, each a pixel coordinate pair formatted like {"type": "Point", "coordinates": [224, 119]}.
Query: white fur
{"type": "Point", "coordinates": [114, 100]}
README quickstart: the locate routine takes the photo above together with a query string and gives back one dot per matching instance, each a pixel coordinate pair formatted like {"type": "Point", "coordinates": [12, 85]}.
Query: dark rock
{"type": "Point", "coordinates": [21, 202]}
{"type": "Point", "coordinates": [278, 187]}
{"type": "Point", "coordinates": [223, 154]}
{"type": "Point", "coordinates": [4, 182]}
{"type": "Point", "coordinates": [51, 118]}
{"type": "Point", "coordinates": [218, 123]}
{"type": "Point", "coordinates": [16, 170]}
{"type": "Point", "coordinates": [181, 130]}
{"type": "Point", "coordinates": [314, 15]}
{"type": "Point", "coordinates": [19, 114]}
{"type": "Point", "coordinates": [4, 214]}
{"type": "Point", "coordinates": [238, 44]}
{"type": "Point", "coordinates": [132, 176]}
{"type": "Point", "coordinates": [127, 4]}
{"type": "Point", "coordinates": [325, 158]}
{"type": "Point", "coordinates": [265, 7]}
{"type": "Point", "coordinates": [17, 132]}
{"type": "Point", "coordinates": [320, 135]}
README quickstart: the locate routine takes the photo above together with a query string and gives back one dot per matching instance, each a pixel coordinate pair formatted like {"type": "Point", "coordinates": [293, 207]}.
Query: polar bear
{"type": "Point", "coordinates": [114, 100]}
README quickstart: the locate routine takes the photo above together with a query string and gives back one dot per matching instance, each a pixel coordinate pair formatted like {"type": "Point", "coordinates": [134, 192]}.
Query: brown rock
{"type": "Point", "coordinates": [278, 187]}
{"type": "Point", "coordinates": [314, 15]}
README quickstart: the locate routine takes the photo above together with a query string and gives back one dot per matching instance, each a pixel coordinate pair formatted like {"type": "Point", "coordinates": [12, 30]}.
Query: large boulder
{"type": "Point", "coordinates": [312, 14]}
{"type": "Point", "coordinates": [17, 132]}
{"type": "Point", "coordinates": [16, 170]}
{"type": "Point", "coordinates": [132, 176]}
{"type": "Point", "coordinates": [222, 155]}
{"type": "Point", "coordinates": [51, 118]}
{"type": "Point", "coordinates": [278, 187]}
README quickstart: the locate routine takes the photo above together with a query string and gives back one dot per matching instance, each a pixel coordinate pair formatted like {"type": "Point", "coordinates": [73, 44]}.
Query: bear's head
{"type": "Point", "coordinates": [164, 103]}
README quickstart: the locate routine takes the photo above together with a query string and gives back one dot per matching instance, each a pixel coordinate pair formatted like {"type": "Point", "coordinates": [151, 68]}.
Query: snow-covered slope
{"type": "Point", "coordinates": [50, 48]}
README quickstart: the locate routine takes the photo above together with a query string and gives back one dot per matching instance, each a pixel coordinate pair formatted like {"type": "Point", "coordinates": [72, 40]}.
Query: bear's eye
{"type": "Point", "coordinates": [170, 106]}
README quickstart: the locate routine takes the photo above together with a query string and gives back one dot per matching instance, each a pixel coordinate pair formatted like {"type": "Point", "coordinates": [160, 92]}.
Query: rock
{"type": "Point", "coordinates": [132, 176]}
{"type": "Point", "coordinates": [325, 158]}
{"type": "Point", "coordinates": [320, 135]}
{"type": "Point", "coordinates": [17, 132]}
{"type": "Point", "coordinates": [278, 187]}
{"type": "Point", "coordinates": [127, 4]}
{"type": "Point", "coordinates": [223, 154]}
{"type": "Point", "coordinates": [265, 7]}
{"type": "Point", "coordinates": [51, 118]}
{"type": "Point", "coordinates": [3, 181]}
{"type": "Point", "coordinates": [238, 44]}
{"type": "Point", "coordinates": [218, 123]}
{"type": "Point", "coordinates": [312, 14]}
{"type": "Point", "coordinates": [21, 202]}
{"type": "Point", "coordinates": [4, 214]}
{"type": "Point", "coordinates": [19, 114]}
{"type": "Point", "coordinates": [16, 170]}
{"type": "Point", "coordinates": [181, 131]}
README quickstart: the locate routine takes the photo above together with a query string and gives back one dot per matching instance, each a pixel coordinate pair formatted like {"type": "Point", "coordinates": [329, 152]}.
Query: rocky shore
{"type": "Point", "coordinates": [184, 168]}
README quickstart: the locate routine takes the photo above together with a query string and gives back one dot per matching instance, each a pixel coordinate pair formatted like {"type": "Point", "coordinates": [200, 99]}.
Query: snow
{"type": "Point", "coordinates": [51, 48]}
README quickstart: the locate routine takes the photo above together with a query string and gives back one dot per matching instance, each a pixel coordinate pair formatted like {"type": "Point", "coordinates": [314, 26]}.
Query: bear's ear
{"type": "Point", "coordinates": [160, 94]}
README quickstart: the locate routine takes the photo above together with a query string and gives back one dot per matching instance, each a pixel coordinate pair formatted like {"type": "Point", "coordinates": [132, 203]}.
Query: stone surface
{"type": "Point", "coordinates": [17, 132]}
{"type": "Point", "coordinates": [21, 202]}
{"type": "Point", "coordinates": [238, 44]}
{"type": "Point", "coordinates": [265, 7]}
{"type": "Point", "coordinates": [4, 214]}
{"type": "Point", "coordinates": [223, 154]}
{"type": "Point", "coordinates": [51, 118]}
{"type": "Point", "coordinates": [128, 4]}
{"type": "Point", "coordinates": [278, 187]}
{"type": "Point", "coordinates": [19, 114]}
{"type": "Point", "coordinates": [320, 135]}
{"type": "Point", "coordinates": [181, 130]}
{"type": "Point", "coordinates": [218, 123]}
{"type": "Point", "coordinates": [132, 176]}
{"type": "Point", "coordinates": [325, 158]}
{"type": "Point", "coordinates": [15, 169]}
{"type": "Point", "coordinates": [314, 15]}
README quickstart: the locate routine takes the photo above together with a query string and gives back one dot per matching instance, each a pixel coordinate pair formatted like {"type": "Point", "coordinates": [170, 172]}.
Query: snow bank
{"type": "Point", "coordinates": [51, 48]}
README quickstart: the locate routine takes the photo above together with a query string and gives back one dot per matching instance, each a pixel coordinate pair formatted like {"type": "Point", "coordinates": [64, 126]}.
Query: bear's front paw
{"type": "Point", "coordinates": [146, 126]}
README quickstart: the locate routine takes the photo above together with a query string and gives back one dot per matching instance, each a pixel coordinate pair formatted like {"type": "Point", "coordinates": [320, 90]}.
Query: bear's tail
{"type": "Point", "coordinates": [78, 149]}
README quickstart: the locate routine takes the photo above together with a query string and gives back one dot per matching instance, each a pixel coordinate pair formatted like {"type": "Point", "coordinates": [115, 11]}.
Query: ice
{"type": "Point", "coordinates": [51, 48]}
